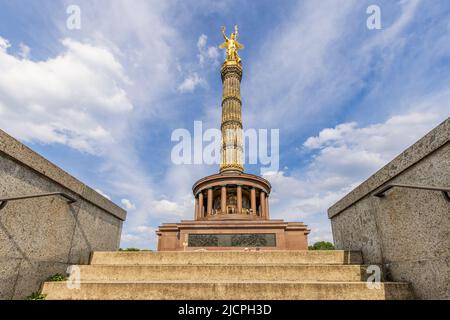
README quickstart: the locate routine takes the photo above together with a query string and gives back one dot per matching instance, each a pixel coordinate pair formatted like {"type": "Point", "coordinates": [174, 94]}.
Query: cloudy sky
{"type": "Point", "coordinates": [102, 101]}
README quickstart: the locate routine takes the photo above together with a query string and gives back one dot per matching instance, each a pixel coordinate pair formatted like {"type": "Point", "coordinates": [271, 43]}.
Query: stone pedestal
{"type": "Point", "coordinates": [232, 234]}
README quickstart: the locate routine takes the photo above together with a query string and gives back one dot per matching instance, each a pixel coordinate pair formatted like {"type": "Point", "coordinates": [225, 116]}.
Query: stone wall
{"type": "Point", "coordinates": [43, 236]}
{"type": "Point", "coordinates": [407, 231]}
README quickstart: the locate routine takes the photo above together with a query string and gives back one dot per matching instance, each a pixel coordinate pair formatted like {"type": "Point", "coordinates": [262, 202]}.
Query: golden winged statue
{"type": "Point", "coordinates": [232, 45]}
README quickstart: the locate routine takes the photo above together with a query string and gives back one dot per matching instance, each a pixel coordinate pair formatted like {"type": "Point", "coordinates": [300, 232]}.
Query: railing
{"type": "Point", "coordinates": [380, 193]}
{"type": "Point", "coordinates": [4, 201]}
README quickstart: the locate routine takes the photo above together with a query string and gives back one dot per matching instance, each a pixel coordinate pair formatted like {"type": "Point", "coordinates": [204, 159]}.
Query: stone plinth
{"type": "Point", "coordinates": [407, 230]}
{"type": "Point", "coordinates": [232, 234]}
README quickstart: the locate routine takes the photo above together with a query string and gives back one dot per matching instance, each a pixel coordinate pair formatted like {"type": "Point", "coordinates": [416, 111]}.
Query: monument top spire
{"type": "Point", "coordinates": [231, 127]}
{"type": "Point", "coordinates": [232, 46]}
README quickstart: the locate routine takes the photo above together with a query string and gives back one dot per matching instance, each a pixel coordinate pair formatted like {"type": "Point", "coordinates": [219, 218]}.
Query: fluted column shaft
{"type": "Point", "coordinates": [263, 204]}
{"type": "Point", "coordinates": [253, 200]}
{"type": "Point", "coordinates": [223, 200]}
{"type": "Point", "coordinates": [201, 205]}
{"type": "Point", "coordinates": [197, 207]}
{"type": "Point", "coordinates": [209, 202]}
{"type": "Point", "coordinates": [239, 199]}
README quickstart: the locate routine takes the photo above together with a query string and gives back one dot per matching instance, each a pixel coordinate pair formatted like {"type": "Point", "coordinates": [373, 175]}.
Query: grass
{"type": "Point", "coordinates": [56, 278]}
{"type": "Point", "coordinates": [36, 296]}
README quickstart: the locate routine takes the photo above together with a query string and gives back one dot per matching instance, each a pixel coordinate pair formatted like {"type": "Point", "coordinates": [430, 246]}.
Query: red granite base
{"type": "Point", "coordinates": [282, 235]}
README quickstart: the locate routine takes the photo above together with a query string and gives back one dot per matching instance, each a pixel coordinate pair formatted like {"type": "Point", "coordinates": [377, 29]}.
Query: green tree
{"type": "Point", "coordinates": [322, 245]}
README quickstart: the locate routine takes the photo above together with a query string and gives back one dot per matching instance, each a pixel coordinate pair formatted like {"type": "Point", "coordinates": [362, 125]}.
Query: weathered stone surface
{"type": "Point", "coordinates": [86, 239]}
{"type": "Point", "coordinates": [13, 149]}
{"type": "Point", "coordinates": [32, 274]}
{"type": "Point", "coordinates": [237, 275]}
{"type": "Point", "coordinates": [227, 257]}
{"type": "Point", "coordinates": [422, 273]}
{"type": "Point", "coordinates": [8, 276]}
{"type": "Point", "coordinates": [237, 272]}
{"type": "Point", "coordinates": [363, 237]}
{"type": "Point", "coordinates": [206, 290]}
{"type": "Point", "coordinates": [37, 229]}
{"type": "Point", "coordinates": [425, 146]}
{"type": "Point", "coordinates": [408, 230]}
{"type": "Point", "coordinates": [43, 235]}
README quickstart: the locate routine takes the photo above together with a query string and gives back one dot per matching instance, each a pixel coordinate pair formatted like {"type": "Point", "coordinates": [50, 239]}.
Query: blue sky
{"type": "Point", "coordinates": [102, 102]}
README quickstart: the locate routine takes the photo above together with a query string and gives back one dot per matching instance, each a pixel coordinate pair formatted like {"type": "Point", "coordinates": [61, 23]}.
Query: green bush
{"type": "Point", "coordinates": [56, 278]}
{"type": "Point", "coordinates": [36, 296]}
{"type": "Point", "coordinates": [130, 249]}
{"type": "Point", "coordinates": [322, 245]}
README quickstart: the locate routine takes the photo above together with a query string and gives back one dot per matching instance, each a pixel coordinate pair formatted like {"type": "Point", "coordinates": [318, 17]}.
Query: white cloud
{"type": "Point", "coordinates": [131, 238]}
{"type": "Point", "coordinates": [298, 72]}
{"type": "Point", "coordinates": [181, 208]}
{"type": "Point", "coordinates": [4, 44]}
{"type": "Point", "coordinates": [128, 205]}
{"type": "Point", "coordinates": [393, 32]}
{"type": "Point", "coordinates": [319, 60]}
{"type": "Point", "coordinates": [202, 40]}
{"type": "Point", "coordinates": [345, 156]}
{"type": "Point", "coordinates": [145, 229]}
{"type": "Point", "coordinates": [207, 57]}
{"type": "Point", "coordinates": [97, 75]}
{"type": "Point", "coordinates": [147, 46]}
{"type": "Point", "coordinates": [191, 83]}
{"type": "Point", "coordinates": [68, 99]}
{"type": "Point", "coordinates": [140, 236]}
{"type": "Point", "coordinates": [206, 53]}
{"type": "Point", "coordinates": [24, 51]}
{"type": "Point", "coordinates": [165, 206]}
{"type": "Point", "coordinates": [380, 142]}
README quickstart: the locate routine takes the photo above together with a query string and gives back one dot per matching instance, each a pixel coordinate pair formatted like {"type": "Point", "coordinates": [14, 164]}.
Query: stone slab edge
{"type": "Point", "coordinates": [434, 140]}
{"type": "Point", "coordinates": [23, 155]}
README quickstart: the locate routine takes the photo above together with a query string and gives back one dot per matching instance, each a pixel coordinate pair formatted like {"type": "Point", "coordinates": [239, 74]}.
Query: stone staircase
{"type": "Point", "coordinates": [225, 275]}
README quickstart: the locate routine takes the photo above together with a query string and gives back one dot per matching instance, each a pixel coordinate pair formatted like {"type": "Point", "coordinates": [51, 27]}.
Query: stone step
{"type": "Point", "coordinates": [222, 273]}
{"type": "Point", "coordinates": [243, 290]}
{"type": "Point", "coordinates": [227, 257]}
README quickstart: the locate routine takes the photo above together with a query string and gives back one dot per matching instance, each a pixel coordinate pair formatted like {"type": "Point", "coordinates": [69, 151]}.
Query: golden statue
{"type": "Point", "coordinates": [232, 45]}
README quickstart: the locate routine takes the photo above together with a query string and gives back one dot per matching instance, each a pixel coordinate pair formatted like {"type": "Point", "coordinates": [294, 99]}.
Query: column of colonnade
{"type": "Point", "coordinates": [201, 211]}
